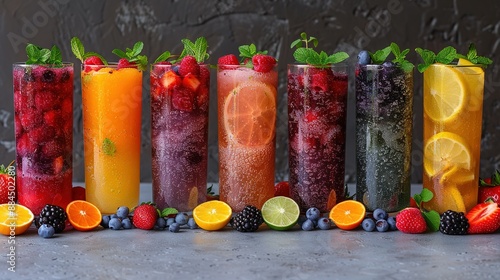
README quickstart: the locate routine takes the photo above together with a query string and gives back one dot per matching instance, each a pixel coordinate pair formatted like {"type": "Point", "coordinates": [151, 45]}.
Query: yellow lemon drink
{"type": "Point", "coordinates": [111, 100]}
{"type": "Point", "coordinates": [453, 103]}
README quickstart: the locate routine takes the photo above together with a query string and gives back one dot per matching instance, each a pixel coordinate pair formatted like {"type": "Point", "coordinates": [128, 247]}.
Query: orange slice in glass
{"type": "Point", "coordinates": [83, 215]}
{"type": "Point", "coordinates": [348, 214]}
{"type": "Point", "coordinates": [250, 114]}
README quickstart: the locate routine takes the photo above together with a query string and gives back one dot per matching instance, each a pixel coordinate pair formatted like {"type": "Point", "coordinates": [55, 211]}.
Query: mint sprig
{"type": "Point", "coordinates": [134, 55]}
{"type": "Point", "coordinates": [432, 218]}
{"type": "Point", "coordinates": [474, 58]}
{"type": "Point", "coordinates": [198, 49]}
{"type": "Point", "coordinates": [380, 56]}
{"type": "Point", "coordinates": [79, 51]}
{"type": "Point", "coordinates": [400, 57]}
{"type": "Point", "coordinates": [38, 55]}
{"type": "Point", "coordinates": [309, 56]}
{"type": "Point", "coordinates": [163, 57]}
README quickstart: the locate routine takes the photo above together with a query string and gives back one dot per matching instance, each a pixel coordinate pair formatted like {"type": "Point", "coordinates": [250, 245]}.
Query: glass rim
{"type": "Point", "coordinates": [455, 65]}
{"type": "Point", "coordinates": [24, 64]}
{"type": "Point", "coordinates": [303, 65]}
{"type": "Point", "coordinates": [172, 65]}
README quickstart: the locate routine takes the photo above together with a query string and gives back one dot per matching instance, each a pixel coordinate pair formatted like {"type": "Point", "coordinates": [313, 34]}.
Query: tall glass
{"type": "Point", "coordinates": [179, 136]}
{"type": "Point", "coordinates": [384, 119]}
{"type": "Point", "coordinates": [246, 118]}
{"type": "Point", "coordinates": [317, 106]}
{"type": "Point", "coordinates": [43, 112]}
{"type": "Point", "coordinates": [453, 108]}
{"type": "Point", "coordinates": [111, 100]}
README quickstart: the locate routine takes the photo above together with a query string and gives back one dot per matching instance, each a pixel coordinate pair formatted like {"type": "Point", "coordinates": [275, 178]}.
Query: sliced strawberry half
{"type": "Point", "coordinates": [484, 218]}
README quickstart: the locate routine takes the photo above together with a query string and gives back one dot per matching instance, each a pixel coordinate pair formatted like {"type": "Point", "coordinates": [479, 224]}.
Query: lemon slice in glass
{"type": "Point", "coordinates": [474, 78]}
{"type": "Point", "coordinates": [444, 150]}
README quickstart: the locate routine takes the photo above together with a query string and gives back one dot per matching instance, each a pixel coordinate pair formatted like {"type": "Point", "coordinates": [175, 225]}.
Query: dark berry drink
{"type": "Point", "coordinates": [384, 102]}
{"type": "Point", "coordinates": [317, 104]}
{"type": "Point", "coordinates": [43, 105]}
{"type": "Point", "coordinates": [179, 128]}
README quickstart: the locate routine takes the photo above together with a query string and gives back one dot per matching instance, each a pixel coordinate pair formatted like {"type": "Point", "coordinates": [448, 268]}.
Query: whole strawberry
{"type": "Point", "coordinates": [484, 218]}
{"type": "Point", "coordinates": [145, 216]}
{"type": "Point", "coordinates": [410, 220]}
{"type": "Point", "coordinates": [6, 181]}
{"type": "Point", "coordinates": [282, 189]}
{"type": "Point", "coordinates": [489, 188]}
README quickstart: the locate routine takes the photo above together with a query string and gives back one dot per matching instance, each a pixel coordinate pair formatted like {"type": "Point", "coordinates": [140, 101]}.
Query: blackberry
{"type": "Point", "coordinates": [52, 215]}
{"type": "Point", "coordinates": [48, 76]}
{"type": "Point", "coordinates": [453, 223]}
{"type": "Point", "coordinates": [249, 219]}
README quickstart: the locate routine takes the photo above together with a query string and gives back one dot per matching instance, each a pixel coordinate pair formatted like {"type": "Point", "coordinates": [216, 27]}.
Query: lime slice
{"type": "Point", "coordinates": [280, 213]}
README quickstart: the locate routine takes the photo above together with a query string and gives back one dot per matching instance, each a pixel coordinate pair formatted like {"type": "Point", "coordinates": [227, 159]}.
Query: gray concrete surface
{"type": "Point", "coordinates": [265, 254]}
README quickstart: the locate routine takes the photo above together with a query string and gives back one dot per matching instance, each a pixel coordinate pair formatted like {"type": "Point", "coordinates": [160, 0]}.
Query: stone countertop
{"type": "Point", "coordinates": [265, 254]}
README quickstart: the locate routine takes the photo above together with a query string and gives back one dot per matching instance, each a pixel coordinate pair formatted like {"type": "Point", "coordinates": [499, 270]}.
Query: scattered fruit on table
{"type": "Point", "coordinates": [115, 224]}
{"type": "Point", "coordinates": [453, 223]}
{"type": "Point", "coordinates": [248, 220]}
{"type": "Point", "coordinates": [46, 231]}
{"type": "Point", "coordinates": [181, 218]}
{"type": "Point", "coordinates": [392, 223]}
{"type": "Point", "coordinates": [126, 223]}
{"type": "Point", "coordinates": [175, 227]}
{"type": "Point", "coordinates": [192, 223]}
{"type": "Point", "coordinates": [313, 214]}
{"type": "Point", "coordinates": [308, 225]}
{"type": "Point", "coordinates": [78, 193]}
{"type": "Point", "coordinates": [489, 188]}
{"type": "Point", "coordinates": [380, 214]}
{"type": "Point", "coordinates": [324, 223]}
{"type": "Point", "coordinates": [313, 219]}
{"type": "Point", "coordinates": [52, 215]}
{"type": "Point", "coordinates": [410, 220]}
{"type": "Point", "coordinates": [212, 215]}
{"type": "Point", "coordinates": [83, 215]}
{"type": "Point", "coordinates": [145, 216]}
{"type": "Point", "coordinates": [280, 212]}
{"type": "Point", "coordinates": [348, 214]}
{"type": "Point", "coordinates": [122, 212]}
{"type": "Point", "coordinates": [380, 221]}
{"type": "Point", "coordinates": [282, 189]}
{"type": "Point", "coordinates": [368, 224]}
{"type": "Point", "coordinates": [161, 223]}
{"type": "Point", "coordinates": [484, 218]}
{"type": "Point", "coordinates": [7, 180]}
{"type": "Point", "coordinates": [15, 212]}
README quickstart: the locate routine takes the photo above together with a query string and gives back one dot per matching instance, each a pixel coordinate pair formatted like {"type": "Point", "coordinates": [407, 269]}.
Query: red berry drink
{"type": "Point", "coordinates": [43, 106]}
{"type": "Point", "coordinates": [317, 104]}
{"type": "Point", "coordinates": [179, 128]}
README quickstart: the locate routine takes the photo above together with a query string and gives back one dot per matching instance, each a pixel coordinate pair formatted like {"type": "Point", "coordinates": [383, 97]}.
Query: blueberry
{"type": "Point", "coordinates": [307, 225]}
{"type": "Point", "coordinates": [392, 223]}
{"type": "Point", "coordinates": [175, 68]}
{"type": "Point", "coordinates": [105, 221]}
{"type": "Point", "coordinates": [301, 220]}
{"type": "Point", "coordinates": [113, 216]}
{"type": "Point", "coordinates": [161, 223]}
{"type": "Point", "coordinates": [388, 64]}
{"type": "Point", "coordinates": [115, 223]}
{"type": "Point", "coordinates": [364, 58]}
{"type": "Point", "coordinates": [181, 218]}
{"type": "Point", "coordinates": [48, 76]}
{"type": "Point", "coordinates": [126, 223]}
{"type": "Point", "coordinates": [174, 227]}
{"type": "Point", "coordinates": [46, 231]}
{"type": "Point", "coordinates": [192, 224]}
{"type": "Point", "coordinates": [313, 214]}
{"type": "Point", "coordinates": [368, 224]}
{"type": "Point", "coordinates": [170, 221]}
{"type": "Point", "coordinates": [324, 223]}
{"type": "Point", "coordinates": [380, 214]}
{"type": "Point", "coordinates": [382, 225]}
{"type": "Point", "coordinates": [122, 212]}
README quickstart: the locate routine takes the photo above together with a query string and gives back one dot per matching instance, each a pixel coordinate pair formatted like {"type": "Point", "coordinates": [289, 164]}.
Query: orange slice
{"type": "Point", "coordinates": [16, 216]}
{"type": "Point", "coordinates": [250, 113]}
{"type": "Point", "coordinates": [83, 215]}
{"type": "Point", "coordinates": [348, 214]}
{"type": "Point", "coordinates": [212, 215]}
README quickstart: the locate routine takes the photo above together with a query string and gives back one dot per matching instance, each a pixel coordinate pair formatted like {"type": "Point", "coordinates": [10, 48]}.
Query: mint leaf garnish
{"type": "Point", "coordinates": [163, 57]}
{"type": "Point", "coordinates": [309, 56]}
{"type": "Point", "coordinates": [198, 49]}
{"type": "Point", "coordinates": [108, 147]}
{"type": "Point", "coordinates": [38, 55]}
{"type": "Point", "coordinates": [168, 211]}
{"type": "Point", "coordinates": [432, 217]}
{"type": "Point", "coordinates": [429, 57]}
{"type": "Point", "coordinates": [400, 57]}
{"type": "Point", "coordinates": [79, 51]}
{"type": "Point", "coordinates": [380, 56]}
{"type": "Point", "coordinates": [133, 55]}
{"type": "Point", "coordinates": [446, 55]}
{"type": "Point", "coordinates": [474, 58]}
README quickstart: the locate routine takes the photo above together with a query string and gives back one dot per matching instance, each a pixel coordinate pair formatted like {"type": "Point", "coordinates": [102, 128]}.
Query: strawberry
{"type": "Point", "coordinates": [52, 117]}
{"type": "Point", "coordinates": [413, 203]}
{"type": "Point", "coordinates": [229, 59]}
{"type": "Point", "coordinates": [410, 220]}
{"type": "Point", "coordinates": [489, 188]}
{"type": "Point", "coordinates": [145, 216]}
{"type": "Point", "coordinates": [7, 181]}
{"type": "Point", "coordinates": [263, 63]}
{"type": "Point", "coordinates": [191, 82]}
{"type": "Point", "coordinates": [124, 63]}
{"type": "Point", "coordinates": [189, 65]}
{"type": "Point", "coordinates": [78, 193]}
{"type": "Point", "coordinates": [183, 99]}
{"type": "Point", "coordinates": [282, 189]}
{"type": "Point", "coordinates": [484, 218]}
{"type": "Point", "coordinates": [90, 62]}
{"type": "Point", "coordinates": [320, 81]}
{"type": "Point", "coordinates": [170, 79]}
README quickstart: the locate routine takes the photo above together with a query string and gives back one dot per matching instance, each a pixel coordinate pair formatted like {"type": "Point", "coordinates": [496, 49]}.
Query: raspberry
{"type": "Point", "coordinates": [229, 59]}
{"type": "Point", "coordinates": [410, 220]}
{"type": "Point", "coordinates": [204, 76]}
{"type": "Point", "coordinates": [90, 61]}
{"type": "Point", "coordinates": [263, 63]}
{"type": "Point", "coordinates": [189, 65]}
{"type": "Point", "coordinates": [124, 63]}
{"type": "Point", "coordinates": [320, 81]}
{"type": "Point", "coordinates": [183, 99]}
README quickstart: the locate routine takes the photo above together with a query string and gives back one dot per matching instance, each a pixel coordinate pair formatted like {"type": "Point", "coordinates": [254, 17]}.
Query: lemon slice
{"type": "Point", "coordinates": [452, 199]}
{"type": "Point", "coordinates": [445, 93]}
{"type": "Point", "coordinates": [444, 150]}
{"type": "Point", "coordinates": [473, 75]}
{"type": "Point", "coordinates": [250, 113]}
{"type": "Point", "coordinates": [457, 175]}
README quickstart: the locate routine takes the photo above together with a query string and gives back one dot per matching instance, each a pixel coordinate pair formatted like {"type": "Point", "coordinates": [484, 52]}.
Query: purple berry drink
{"type": "Point", "coordinates": [317, 104]}
{"type": "Point", "coordinates": [43, 106]}
{"type": "Point", "coordinates": [179, 120]}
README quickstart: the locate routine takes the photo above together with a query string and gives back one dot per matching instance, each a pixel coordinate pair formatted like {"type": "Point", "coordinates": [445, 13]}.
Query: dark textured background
{"type": "Point", "coordinates": [339, 25]}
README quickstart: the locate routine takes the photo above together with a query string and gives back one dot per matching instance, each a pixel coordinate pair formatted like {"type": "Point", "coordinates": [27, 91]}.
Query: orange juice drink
{"type": "Point", "coordinates": [246, 102]}
{"type": "Point", "coordinates": [111, 100]}
{"type": "Point", "coordinates": [453, 103]}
